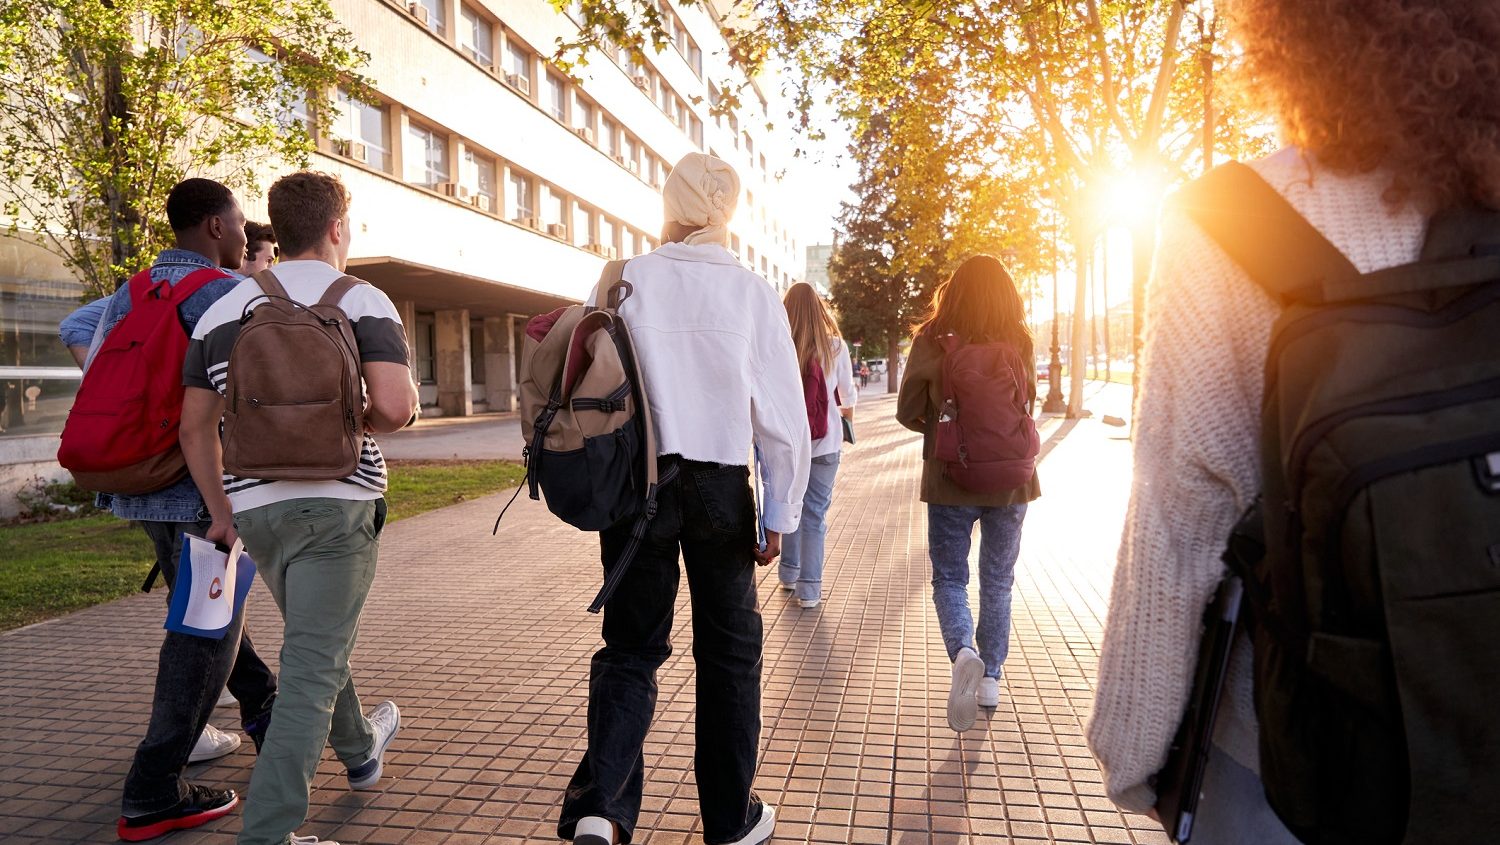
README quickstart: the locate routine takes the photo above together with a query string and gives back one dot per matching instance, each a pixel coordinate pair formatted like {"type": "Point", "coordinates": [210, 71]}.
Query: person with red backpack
{"type": "Point", "coordinates": [969, 388]}
{"type": "Point", "coordinates": [828, 390]}
{"type": "Point", "coordinates": [137, 464]}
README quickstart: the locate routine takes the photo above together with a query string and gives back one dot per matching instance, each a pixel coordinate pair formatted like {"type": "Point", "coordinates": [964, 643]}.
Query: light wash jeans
{"type": "Point", "coordinates": [802, 550]}
{"type": "Point", "coordinates": [950, 530]}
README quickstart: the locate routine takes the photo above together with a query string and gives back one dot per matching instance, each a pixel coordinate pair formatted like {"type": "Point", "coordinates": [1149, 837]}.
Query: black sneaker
{"type": "Point", "coordinates": [201, 806]}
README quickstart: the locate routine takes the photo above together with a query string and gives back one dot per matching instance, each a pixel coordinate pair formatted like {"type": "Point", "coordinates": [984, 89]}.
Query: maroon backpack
{"type": "Point", "coordinates": [985, 433]}
{"type": "Point", "coordinates": [815, 393]}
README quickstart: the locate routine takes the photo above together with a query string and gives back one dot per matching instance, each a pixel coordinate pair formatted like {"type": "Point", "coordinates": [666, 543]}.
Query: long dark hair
{"type": "Point", "coordinates": [979, 303]}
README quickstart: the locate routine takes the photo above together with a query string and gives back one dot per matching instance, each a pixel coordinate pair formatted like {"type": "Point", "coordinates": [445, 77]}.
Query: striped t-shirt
{"type": "Point", "coordinates": [377, 332]}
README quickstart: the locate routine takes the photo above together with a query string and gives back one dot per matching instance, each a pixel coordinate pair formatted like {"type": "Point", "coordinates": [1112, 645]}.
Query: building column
{"type": "Point", "coordinates": [499, 362]}
{"type": "Point", "coordinates": [455, 391]}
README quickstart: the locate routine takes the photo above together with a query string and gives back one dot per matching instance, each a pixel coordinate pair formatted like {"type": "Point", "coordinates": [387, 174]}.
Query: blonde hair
{"type": "Point", "coordinates": [813, 326]}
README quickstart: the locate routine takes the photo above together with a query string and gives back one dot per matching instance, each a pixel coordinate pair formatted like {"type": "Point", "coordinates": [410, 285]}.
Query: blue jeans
{"type": "Point", "coordinates": [950, 529]}
{"type": "Point", "coordinates": [802, 550]}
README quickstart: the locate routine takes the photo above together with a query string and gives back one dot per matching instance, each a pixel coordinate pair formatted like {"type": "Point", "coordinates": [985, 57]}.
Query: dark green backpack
{"type": "Point", "coordinates": [1375, 611]}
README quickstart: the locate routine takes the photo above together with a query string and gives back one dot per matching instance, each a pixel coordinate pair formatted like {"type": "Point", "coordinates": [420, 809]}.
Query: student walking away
{"type": "Point", "coordinates": [969, 389]}
{"type": "Point", "coordinates": [137, 339]}
{"type": "Point", "coordinates": [304, 477]}
{"type": "Point", "coordinates": [864, 374]}
{"type": "Point", "coordinates": [828, 391]}
{"type": "Point", "coordinates": [720, 370]}
{"type": "Point", "coordinates": [1297, 360]}
{"type": "Point", "coordinates": [261, 249]}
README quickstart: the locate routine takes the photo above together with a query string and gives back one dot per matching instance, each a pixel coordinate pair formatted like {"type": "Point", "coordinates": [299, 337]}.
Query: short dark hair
{"type": "Point", "coordinates": [257, 232]}
{"type": "Point", "coordinates": [301, 207]}
{"type": "Point", "coordinates": [194, 200]}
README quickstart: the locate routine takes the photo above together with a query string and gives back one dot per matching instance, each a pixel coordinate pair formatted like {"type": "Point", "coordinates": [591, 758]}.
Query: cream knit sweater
{"type": "Point", "coordinates": [1197, 427]}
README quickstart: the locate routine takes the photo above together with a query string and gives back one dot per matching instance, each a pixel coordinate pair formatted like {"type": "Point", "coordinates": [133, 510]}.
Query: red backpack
{"type": "Point", "coordinates": [815, 394]}
{"type": "Point", "coordinates": [985, 433]}
{"type": "Point", "coordinates": [121, 435]}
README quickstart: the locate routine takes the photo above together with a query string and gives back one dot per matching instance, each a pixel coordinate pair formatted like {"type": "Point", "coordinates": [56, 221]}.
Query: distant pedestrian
{"type": "Point", "coordinates": [721, 371]}
{"type": "Point", "coordinates": [979, 304]}
{"type": "Point", "coordinates": [315, 542]}
{"type": "Point", "coordinates": [1392, 116]}
{"type": "Point", "coordinates": [864, 374]}
{"type": "Point", "coordinates": [261, 250]}
{"type": "Point", "coordinates": [208, 244]}
{"type": "Point", "coordinates": [820, 351]}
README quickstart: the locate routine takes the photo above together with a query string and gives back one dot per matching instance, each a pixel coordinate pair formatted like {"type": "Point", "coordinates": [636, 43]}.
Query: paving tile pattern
{"type": "Point", "coordinates": [485, 644]}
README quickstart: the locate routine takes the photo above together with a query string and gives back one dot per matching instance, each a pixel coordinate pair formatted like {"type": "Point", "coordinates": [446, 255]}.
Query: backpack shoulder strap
{"type": "Point", "coordinates": [269, 284]}
{"type": "Point", "coordinates": [340, 286]}
{"type": "Point", "coordinates": [196, 281]}
{"type": "Point", "coordinates": [612, 288]}
{"type": "Point", "coordinates": [139, 285]}
{"type": "Point", "coordinates": [1263, 233]}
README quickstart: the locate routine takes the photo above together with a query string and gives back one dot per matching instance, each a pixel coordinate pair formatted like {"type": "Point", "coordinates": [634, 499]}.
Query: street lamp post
{"type": "Point", "coordinates": [1054, 403]}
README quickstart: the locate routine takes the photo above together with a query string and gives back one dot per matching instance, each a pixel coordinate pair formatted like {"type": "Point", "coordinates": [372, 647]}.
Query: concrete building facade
{"type": "Point", "coordinates": [818, 256]}
{"type": "Point", "coordinates": [487, 186]}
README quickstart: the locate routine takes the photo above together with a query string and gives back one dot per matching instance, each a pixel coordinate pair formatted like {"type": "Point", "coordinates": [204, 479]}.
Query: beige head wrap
{"type": "Point", "coordinates": [702, 191]}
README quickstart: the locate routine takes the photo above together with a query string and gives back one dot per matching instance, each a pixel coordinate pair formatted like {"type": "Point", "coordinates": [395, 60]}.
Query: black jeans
{"type": "Point", "coordinates": [189, 675]}
{"type": "Point", "coordinates": [708, 514]}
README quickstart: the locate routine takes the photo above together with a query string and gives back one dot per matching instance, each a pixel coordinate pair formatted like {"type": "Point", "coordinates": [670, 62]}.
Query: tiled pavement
{"type": "Point", "coordinates": [484, 642]}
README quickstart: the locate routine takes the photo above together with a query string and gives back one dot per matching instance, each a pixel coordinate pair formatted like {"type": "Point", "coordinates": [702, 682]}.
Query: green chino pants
{"type": "Point", "coordinates": [317, 559]}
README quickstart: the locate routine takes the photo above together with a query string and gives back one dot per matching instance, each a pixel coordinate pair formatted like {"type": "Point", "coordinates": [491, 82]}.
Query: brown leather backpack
{"type": "Point", "coordinates": [294, 398]}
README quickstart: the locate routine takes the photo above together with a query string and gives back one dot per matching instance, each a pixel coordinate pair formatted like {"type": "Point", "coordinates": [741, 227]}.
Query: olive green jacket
{"type": "Point", "coordinates": [916, 408]}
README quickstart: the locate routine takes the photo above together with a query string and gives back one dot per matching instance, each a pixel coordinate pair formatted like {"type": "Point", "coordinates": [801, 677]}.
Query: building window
{"type": "Point", "coordinates": [734, 244]}
{"type": "Point", "coordinates": [521, 197]}
{"type": "Point", "coordinates": [476, 36]}
{"type": "Point", "coordinates": [557, 97]}
{"type": "Point", "coordinates": [518, 66]}
{"type": "Point", "coordinates": [606, 232]}
{"type": "Point", "coordinates": [734, 129]}
{"type": "Point", "coordinates": [582, 225]}
{"type": "Point", "coordinates": [426, 348]}
{"type": "Point", "coordinates": [479, 178]}
{"type": "Point", "coordinates": [609, 139]}
{"type": "Point", "coordinates": [554, 208]}
{"type": "Point", "coordinates": [426, 154]}
{"type": "Point", "coordinates": [429, 13]}
{"type": "Point", "coordinates": [697, 133]}
{"type": "Point", "coordinates": [629, 149]}
{"type": "Point", "coordinates": [749, 146]}
{"type": "Point", "coordinates": [361, 132]}
{"type": "Point", "coordinates": [583, 114]}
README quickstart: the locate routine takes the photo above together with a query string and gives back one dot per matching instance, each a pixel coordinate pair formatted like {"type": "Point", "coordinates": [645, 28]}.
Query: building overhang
{"type": "Point", "coordinates": [433, 288]}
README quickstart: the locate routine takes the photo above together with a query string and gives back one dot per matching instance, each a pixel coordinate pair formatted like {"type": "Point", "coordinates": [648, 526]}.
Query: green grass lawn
{"type": "Point", "coordinates": [52, 568]}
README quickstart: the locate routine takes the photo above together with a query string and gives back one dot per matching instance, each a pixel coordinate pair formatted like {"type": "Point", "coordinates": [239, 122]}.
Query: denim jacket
{"type": "Point", "coordinates": [180, 502]}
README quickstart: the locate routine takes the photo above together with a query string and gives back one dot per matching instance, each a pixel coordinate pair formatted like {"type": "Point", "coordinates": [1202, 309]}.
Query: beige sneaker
{"type": "Point", "coordinates": [989, 692]}
{"type": "Point", "coordinates": [963, 702]}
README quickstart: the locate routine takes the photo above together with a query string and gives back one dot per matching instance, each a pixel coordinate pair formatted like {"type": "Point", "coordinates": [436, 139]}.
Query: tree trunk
{"type": "Point", "coordinates": [1079, 333]}
{"type": "Point", "coordinates": [1142, 237]}
{"type": "Point", "coordinates": [124, 221]}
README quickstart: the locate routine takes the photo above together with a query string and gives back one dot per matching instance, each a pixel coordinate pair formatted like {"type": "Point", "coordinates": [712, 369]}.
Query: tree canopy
{"type": "Point", "coordinates": [109, 103]}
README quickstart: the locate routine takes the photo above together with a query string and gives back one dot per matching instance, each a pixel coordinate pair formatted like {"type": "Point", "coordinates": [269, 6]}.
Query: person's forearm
{"type": "Point", "coordinates": [205, 460]}
{"type": "Point", "coordinates": [847, 412]}
{"type": "Point", "coordinates": [80, 354]}
{"type": "Point", "coordinates": [377, 422]}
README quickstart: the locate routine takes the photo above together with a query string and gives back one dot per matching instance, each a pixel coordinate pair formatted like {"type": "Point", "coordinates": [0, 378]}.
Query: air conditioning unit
{"type": "Point", "coordinates": [518, 82]}
{"type": "Point", "coordinates": [352, 149]}
{"type": "Point", "coordinates": [620, 159]}
{"type": "Point", "coordinates": [642, 81]}
{"type": "Point", "coordinates": [609, 253]}
{"type": "Point", "coordinates": [528, 222]}
{"type": "Point", "coordinates": [585, 133]}
{"type": "Point", "coordinates": [419, 12]}
{"type": "Point", "coordinates": [558, 230]}
{"type": "Point", "coordinates": [453, 189]}
{"type": "Point", "coordinates": [480, 201]}
{"type": "Point", "coordinates": [635, 167]}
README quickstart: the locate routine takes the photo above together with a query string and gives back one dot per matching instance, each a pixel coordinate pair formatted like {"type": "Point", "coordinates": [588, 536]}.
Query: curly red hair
{"type": "Point", "coordinates": [1408, 86]}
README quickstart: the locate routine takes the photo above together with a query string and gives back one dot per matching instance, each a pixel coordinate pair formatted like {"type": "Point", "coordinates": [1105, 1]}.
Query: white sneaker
{"type": "Point", "coordinates": [226, 699]}
{"type": "Point", "coordinates": [808, 603]}
{"type": "Point", "coordinates": [385, 720]}
{"type": "Point", "coordinates": [594, 830]}
{"type": "Point", "coordinates": [761, 833]}
{"type": "Point", "coordinates": [963, 704]}
{"type": "Point", "coordinates": [311, 840]}
{"type": "Point", "coordinates": [213, 744]}
{"type": "Point", "coordinates": [788, 587]}
{"type": "Point", "coordinates": [989, 692]}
